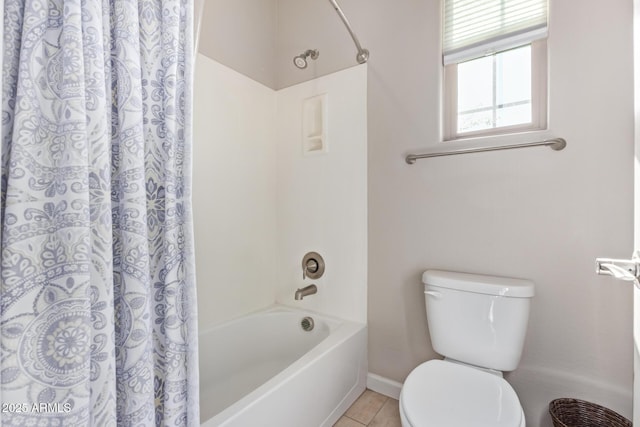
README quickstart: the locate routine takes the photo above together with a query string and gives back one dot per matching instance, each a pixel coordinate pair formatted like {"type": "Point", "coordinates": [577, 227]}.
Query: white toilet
{"type": "Point", "coordinates": [478, 323]}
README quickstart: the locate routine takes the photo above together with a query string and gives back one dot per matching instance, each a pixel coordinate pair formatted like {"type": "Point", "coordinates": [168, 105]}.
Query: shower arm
{"type": "Point", "coordinates": [363, 54]}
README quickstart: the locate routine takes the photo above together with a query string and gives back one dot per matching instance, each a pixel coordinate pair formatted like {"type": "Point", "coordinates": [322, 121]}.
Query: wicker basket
{"type": "Point", "coordinates": [578, 413]}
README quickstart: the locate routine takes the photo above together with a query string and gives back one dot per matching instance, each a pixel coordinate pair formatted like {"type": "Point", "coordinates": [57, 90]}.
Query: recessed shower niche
{"type": "Point", "coordinates": [314, 125]}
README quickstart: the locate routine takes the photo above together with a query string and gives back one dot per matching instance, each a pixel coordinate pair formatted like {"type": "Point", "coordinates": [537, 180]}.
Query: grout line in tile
{"type": "Point", "coordinates": [355, 421]}
{"type": "Point", "coordinates": [371, 421]}
{"type": "Point", "coordinates": [356, 415]}
{"type": "Point", "coordinates": [388, 417]}
{"type": "Point", "coordinates": [386, 398]}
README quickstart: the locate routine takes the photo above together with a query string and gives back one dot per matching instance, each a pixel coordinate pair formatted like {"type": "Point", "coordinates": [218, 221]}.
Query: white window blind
{"type": "Point", "coordinates": [473, 28]}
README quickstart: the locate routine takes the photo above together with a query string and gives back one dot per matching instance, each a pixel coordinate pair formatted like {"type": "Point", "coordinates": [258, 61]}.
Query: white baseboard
{"type": "Point", "coordinates": [384, 385]}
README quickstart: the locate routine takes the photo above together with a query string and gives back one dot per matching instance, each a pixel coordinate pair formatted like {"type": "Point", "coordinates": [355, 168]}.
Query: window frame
{"type": "Point", "coordinates": [538, 97]}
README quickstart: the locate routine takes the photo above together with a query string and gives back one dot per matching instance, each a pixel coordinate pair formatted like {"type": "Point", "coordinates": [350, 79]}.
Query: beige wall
{"type": "Point", "coordinates": [314, 24]}
{"type": "Point", "coordinates": [259, 38]}
{"type": "Point", "coordinates": [534, 213]}
{"type": "Point", "coordinates": [241, 35]}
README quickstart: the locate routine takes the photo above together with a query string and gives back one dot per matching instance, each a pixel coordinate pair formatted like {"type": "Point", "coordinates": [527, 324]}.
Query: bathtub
{"type": "Point", "coordinates": [264, 370]}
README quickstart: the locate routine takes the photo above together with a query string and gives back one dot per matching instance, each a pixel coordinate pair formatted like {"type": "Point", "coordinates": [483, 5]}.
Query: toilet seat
{"type": "Point", "coordinates": [440, 393]}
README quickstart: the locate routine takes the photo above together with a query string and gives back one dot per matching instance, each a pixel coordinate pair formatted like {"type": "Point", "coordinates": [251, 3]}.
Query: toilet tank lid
{"type": "Point", "coordinates": [491, 285]}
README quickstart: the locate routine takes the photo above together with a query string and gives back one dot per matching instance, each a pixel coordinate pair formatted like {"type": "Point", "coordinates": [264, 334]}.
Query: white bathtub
{"type": "Point", "coordinates": [264, 370]}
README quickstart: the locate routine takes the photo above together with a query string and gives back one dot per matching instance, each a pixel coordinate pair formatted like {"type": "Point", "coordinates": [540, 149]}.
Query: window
{"type": "Point", "coordinates": [495, 66]}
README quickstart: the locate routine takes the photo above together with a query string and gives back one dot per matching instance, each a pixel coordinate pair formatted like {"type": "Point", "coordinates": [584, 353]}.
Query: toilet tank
{"type": "Point", "coordinates": [479, 320]}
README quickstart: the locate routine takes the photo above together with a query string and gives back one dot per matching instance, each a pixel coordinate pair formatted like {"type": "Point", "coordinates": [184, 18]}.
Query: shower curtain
{"type": "Point", "coordinates": [97, 300]}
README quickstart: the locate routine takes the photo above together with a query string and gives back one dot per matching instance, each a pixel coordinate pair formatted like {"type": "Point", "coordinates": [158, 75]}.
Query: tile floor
{"type": "Point", "coordinates": [371, 410]}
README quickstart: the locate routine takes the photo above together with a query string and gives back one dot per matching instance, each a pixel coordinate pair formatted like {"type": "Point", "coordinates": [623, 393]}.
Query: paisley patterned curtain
{"type": "Point", "coordinates": [97, 299]}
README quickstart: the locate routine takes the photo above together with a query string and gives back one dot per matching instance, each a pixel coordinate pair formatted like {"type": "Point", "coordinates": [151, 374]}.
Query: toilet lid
{"type": "Point", "coordinates": [439, 393]}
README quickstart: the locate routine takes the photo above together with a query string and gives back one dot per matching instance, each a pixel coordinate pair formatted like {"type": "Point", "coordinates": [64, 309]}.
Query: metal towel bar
{"type": "Point", "coordinates": [555, 144]}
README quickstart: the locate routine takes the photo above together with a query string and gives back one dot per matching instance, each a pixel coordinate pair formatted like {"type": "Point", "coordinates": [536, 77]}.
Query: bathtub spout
{"type": "Point", "coordinates": [307, 290]}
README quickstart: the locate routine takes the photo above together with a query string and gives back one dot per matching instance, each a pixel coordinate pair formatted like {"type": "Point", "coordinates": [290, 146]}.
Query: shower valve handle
{"type": "Point", "coordinates": [311, 266]}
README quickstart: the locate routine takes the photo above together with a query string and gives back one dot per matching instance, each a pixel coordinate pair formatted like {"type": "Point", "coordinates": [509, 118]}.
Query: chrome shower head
{"type": "Point", "coordinates": [300, 61]}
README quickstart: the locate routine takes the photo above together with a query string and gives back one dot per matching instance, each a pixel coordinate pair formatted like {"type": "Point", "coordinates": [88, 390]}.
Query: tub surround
{"type": "Point", "coordinates": [260, 203]}
{"type": "Point", "coordinates": [234, 193]}
{"type": "Point", "coordinates": [322, 197]}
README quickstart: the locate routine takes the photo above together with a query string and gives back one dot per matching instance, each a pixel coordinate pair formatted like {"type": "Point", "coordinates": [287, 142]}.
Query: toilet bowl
{"type": "Point", "coordinates": [440, 393]}
{"type": "Point", "coordinates": [478, 323]}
